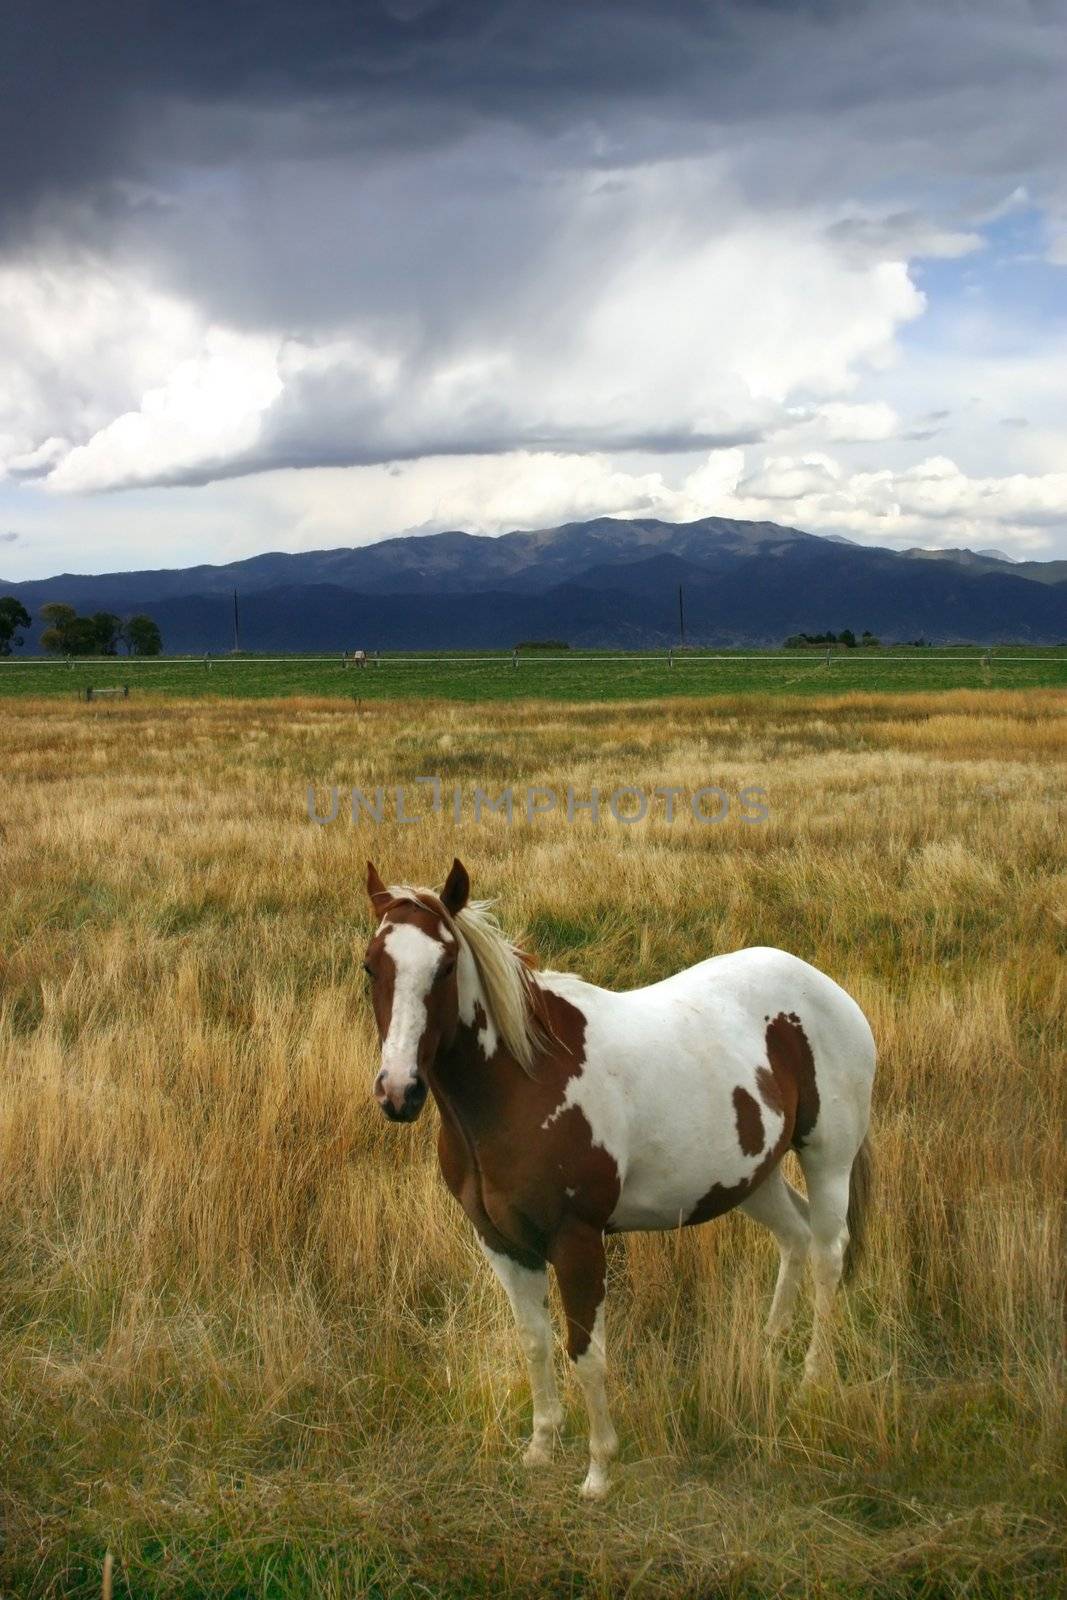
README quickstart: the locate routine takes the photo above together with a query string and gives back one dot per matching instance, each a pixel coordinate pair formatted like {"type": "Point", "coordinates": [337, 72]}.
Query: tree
{"type": "Point", "coordinates": [13, 615]}
{"type": "Point", "coordinates": [68, 634]}
{"type": "Point", "coordinates": [142, 636]}
{"type": "Point", "coordinates": [798, 641]}
{"type": "Point", "coordinates": [58, 636]}
{"type": "Point", "coordinates": [82, 637]}
{"type": "Point", "coordinates": [106, 628]}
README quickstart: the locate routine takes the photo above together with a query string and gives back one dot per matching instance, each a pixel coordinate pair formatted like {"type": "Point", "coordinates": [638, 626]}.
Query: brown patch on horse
{"type": "Point", "coordinates": [578, 1256]}
{"type": "Point", "coordinates": [434, 903]}
{"type": "Point", "coordinates": [383, 984]}
{"type": "Point", "coordinates": [787, 1087]}
{"type": "Point", "coordinates": [428, 906]}
{"type": "Point", "coordinates": [428, 917]}
{"type": "Point", "coordinates": [792, 1067]}
{"type": "Point", "coordinates": [580, 1178]}
{"type": "Point", "coordinates": [520, 1166]}
{"type": "Point", "coordinates": [563, 1025]}
{"type": "Point", "coordinates": [587, 1171]}
{"type": "Point", "coordinates": [722, 1197]}
{"type": "Point", "coordinates": [770, 1093]}
{"type": "Point", "coordinates": [750, 1135]}
{"type": "Point", "coordinates": [458, 1160]}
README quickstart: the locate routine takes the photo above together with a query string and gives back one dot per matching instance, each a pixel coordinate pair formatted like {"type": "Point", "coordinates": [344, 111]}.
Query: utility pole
{"type": "Point", "coordinates": [236, 626]}
{"type": "Point", "coordinates": [681, 618]}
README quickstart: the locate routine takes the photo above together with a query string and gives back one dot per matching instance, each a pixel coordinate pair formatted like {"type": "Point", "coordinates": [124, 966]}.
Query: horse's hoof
{"type": "Point", "coordinates": [537, 1454]}
{"type": "Point", "coordinates": [595, 1486]}
{"type": "Point", "coordinates": [819, 1381]}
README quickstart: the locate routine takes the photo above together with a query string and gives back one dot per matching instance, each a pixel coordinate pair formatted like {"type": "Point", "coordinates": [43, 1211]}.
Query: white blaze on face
{"type": "Point", "coordinates": [415, 957]}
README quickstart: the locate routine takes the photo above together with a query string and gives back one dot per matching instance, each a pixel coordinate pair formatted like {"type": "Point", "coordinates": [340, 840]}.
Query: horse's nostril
{"type": "Point", "coordinates": [414, 1095]}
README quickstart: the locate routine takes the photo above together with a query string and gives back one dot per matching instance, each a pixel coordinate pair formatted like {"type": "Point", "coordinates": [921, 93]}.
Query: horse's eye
{"type": "Point", "coordinates": [367, 970]}
{"type": "Point", "coordinates": [445, 972]}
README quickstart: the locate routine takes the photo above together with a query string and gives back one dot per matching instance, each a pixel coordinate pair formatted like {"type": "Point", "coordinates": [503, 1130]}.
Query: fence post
{"type": "Point", "coordinates": [670, 659]}
{"type": "Point", "coordinates": [827, 658]}
{"type": "Point", "coordinates": [377, 658]}
{"type": "Point", "coordinates": [515, 659]}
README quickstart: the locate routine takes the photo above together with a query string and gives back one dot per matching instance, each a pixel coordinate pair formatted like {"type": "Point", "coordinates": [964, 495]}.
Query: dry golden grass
{"type": "Point", "coordinates": [246, 1342]}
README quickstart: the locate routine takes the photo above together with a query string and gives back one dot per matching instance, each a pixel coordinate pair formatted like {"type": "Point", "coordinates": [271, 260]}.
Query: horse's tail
{"type": "Point", "coordinates": [860, 1184]}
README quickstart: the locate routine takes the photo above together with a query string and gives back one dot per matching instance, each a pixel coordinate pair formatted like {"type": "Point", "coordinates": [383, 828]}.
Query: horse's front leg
{"type": "Point", "coordinates": [527, 1289]}
{"type": "Point", "coordinates": [577, 1254]}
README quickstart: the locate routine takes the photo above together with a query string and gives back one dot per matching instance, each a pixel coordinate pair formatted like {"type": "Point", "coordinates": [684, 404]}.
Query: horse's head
{"type": "Point", "coordinates": [411, 964]}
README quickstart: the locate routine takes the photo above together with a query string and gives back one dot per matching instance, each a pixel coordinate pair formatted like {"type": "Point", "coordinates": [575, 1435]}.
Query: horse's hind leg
{"type": "Point", "coordinates": [784, 1211]}
{"type": "Point", "coordinates": [527, 1290]}
{"type": "Point", "coordinates": [828, 1195]}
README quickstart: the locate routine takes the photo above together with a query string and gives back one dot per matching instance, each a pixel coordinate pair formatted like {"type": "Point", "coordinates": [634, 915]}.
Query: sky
{"type": "Point", "coordinates": [279, 276]}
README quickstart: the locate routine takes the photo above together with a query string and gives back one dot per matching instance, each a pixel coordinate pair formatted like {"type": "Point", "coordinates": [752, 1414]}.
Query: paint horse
{"type": "Point", "coordinates": [568, 1112]}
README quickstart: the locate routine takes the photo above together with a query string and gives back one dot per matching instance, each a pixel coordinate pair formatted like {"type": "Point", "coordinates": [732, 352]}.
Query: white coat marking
{"type": "Point", "coordinates": [470, 995]}
{"type": "Point", "coordinates": [661, 1065]}
{"type": "Point", "coordinates": [415, 957]}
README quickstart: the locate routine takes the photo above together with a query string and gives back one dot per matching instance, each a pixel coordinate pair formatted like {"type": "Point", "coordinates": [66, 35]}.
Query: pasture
{"type": "Point", "coordinates": [586, 675]}
{"type": "Point", "coordinates": [247, 1343]}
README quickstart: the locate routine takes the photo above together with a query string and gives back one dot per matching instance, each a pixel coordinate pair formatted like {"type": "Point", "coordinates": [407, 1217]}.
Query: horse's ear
{"type": "Point", "coordinates": [379, 894]}
{"type": "Point", "coordinates": [457, 888]}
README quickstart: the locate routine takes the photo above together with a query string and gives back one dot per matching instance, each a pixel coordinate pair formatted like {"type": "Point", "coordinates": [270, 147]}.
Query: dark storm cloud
{"type": "Point", "coordinates": [484, 225]}
{"type": "Point", "coordinates": [81, 82]}
{"type": "Point", "coordinates": [84, 87]}
{"type": "Point", "coordinates": [307, 431]}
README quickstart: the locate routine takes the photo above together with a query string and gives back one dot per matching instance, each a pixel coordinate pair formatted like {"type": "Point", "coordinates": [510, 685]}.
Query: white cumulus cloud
{"type": "Point", "coordinates": [657, 313]}
{"type": "Point", "coordinates": [932, 502]}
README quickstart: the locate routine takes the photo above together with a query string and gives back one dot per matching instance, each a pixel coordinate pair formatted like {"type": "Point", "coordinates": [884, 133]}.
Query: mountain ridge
{"type": "Point", "coordinates": [600, 582]}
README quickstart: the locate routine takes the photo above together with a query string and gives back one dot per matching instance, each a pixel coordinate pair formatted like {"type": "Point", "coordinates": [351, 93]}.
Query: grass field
{"type": "Point", "coordinates": [246, 1342]}
{"type": "Point", "coordinates": [579, 675]}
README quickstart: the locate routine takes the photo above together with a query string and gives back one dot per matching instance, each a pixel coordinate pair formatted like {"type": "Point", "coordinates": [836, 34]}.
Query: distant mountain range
{"type": "Point", "coordinates": [603, 582]}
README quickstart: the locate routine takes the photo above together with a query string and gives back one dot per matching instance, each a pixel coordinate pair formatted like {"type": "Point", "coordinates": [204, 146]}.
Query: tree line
{"type": "Point", "coordinates": [797, 641]}
{"type": "Point", "coordinates": [67, 634]}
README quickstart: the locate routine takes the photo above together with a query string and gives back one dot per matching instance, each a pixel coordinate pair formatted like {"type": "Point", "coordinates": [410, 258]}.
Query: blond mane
{"type": "Point", "coordinates": [509, 987]}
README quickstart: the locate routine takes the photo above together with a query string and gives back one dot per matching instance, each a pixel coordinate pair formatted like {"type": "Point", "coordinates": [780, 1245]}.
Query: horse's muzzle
{"type": "Point", "coordinates": [408, 1108]}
